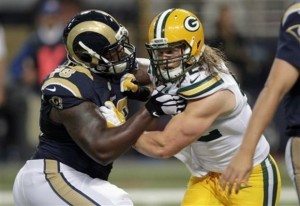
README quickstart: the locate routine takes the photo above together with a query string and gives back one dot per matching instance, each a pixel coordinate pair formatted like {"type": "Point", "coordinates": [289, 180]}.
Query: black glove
{"type": "Point", "coordinates": [142, 94]}
{"type": "Point", "coordinates": [164, 104]}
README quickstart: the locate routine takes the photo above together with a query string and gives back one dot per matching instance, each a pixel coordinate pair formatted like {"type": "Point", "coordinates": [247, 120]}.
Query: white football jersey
{"type": "Point", "coordinates": [215, 148]}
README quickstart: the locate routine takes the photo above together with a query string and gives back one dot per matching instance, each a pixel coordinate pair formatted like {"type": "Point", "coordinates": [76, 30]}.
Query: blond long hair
{"type": "Point", "coordinates": [212, 59]}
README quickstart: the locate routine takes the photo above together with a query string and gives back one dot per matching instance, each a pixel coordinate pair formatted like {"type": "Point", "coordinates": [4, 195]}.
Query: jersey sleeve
{"type": "Point", "coordinates": [288, 48]}
{"type": "Point", "coordinates": [200, 85]}
{"type": "Point", "coordinates": [66, 88]}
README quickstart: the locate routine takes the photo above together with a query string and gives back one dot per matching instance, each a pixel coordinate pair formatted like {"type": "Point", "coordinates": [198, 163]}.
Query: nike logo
{"type": "Point", "coordinates": [155, 114]}
{"type": "Point", "coordinates": [51, 89]}
{"type": "Point", "coordinates": [194, 79]}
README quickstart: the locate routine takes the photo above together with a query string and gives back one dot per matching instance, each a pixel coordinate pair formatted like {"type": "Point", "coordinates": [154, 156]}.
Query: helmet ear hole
{"type": "Point", "coordinates": [198, 44]}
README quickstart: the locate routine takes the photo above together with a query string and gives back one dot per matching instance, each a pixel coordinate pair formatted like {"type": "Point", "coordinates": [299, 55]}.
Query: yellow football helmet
{"type": "Point", "coordinates": [173, 29]}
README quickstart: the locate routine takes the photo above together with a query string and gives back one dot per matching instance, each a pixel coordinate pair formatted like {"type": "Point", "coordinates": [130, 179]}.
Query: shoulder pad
{"type": "Point", "coordinates": [289, 36]}
{"type": "Point", "coordinates": [293, 9]}
{"type": "Point", "coordinates": [61, 86]}
{"type": "Point", "coordinates": [68, 84]}
{"type": "Point", "coordinates": [74, 79]}
{"type": "Point", "coordinates": [199, 85]}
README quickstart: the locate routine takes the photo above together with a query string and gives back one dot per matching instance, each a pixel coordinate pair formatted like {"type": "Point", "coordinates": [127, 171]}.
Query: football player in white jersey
{"type": "Point", "coordinates": [283, 80]}
{"type": "Point", "coordinates": [207, 134]}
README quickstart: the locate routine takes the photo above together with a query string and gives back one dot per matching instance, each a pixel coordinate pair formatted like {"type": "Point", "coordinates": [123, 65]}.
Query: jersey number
{"type": "Point", "coordinates": [215, 134]}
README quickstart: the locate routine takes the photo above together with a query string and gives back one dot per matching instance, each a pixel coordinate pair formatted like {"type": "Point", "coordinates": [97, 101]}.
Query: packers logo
{"type": "Point", "coordinates": [191, 23]}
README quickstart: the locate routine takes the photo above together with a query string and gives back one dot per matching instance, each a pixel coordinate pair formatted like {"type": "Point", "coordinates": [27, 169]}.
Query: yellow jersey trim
{"type": "Point", "coordinates": [201, 87]}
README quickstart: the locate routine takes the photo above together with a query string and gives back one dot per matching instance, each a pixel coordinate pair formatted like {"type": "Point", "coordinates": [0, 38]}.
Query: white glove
{"type": "Point", "coordinates": [161, 103]}
{"type": "Point", "coordinates": [112, 116]}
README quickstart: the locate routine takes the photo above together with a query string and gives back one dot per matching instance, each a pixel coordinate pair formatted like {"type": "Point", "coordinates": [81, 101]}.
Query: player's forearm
{"type": "Point", "coordinates": [86, 126]}
{"type": "Point", "coordinates": [133, 127]}
{"type": "Point", "coordinates": [114, 142]}
{"type": "Point", "coordinates": [151, 144]}
{"type": "Point", "coordinates": [263, 112]}
{"type": "Point", "coordinates": [141, 74]}
{"type": "Point", "coordinates": [281, 79]}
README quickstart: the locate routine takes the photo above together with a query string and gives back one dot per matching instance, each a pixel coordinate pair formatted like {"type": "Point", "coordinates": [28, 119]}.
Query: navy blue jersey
{"type": "Point", "coordinates": [68, 86]}
{"type": "Point", "coordinates": [289, 50]}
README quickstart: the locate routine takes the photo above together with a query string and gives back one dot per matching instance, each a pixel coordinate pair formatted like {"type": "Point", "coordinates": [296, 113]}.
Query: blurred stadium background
{"type": "Point", "coordinates": [154, 182]}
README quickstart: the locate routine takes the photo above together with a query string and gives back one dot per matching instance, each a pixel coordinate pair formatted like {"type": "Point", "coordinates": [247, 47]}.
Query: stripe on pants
{"type": "Point", "coordinates": [62, 187]}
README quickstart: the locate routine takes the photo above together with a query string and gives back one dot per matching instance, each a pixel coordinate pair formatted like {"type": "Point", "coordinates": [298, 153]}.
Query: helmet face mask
{"type": "Point", "coordinates": [169, 61]}
{"type": "Point", "coordinates": [116, 59]}
{"type": "Point", "coordinates": [94, 39]}
{"type": "Point", "coordinates": [170, 30]}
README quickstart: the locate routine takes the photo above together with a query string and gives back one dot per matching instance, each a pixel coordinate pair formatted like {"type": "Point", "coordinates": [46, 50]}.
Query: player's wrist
{"type": "Point", "coordinates": [246, 150]}
{"type": "Point", "coordinates": [152, 108]}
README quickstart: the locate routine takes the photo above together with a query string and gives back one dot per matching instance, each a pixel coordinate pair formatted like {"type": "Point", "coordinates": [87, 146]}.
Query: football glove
{"type": "Point", "coordinates": [130, 87]}
{"type": "Point", "coordinates": [127, 83]}
{"type": "Point", "coordinates": [164, 104]}
{"type": "Point", "coordinates": [112, 116]}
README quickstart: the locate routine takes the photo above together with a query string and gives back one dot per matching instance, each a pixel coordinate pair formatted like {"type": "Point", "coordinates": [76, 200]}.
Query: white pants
{"type": "Point", "coordinates": [48, 182]}
{"type": "Point", "coordinates": [292, 161]}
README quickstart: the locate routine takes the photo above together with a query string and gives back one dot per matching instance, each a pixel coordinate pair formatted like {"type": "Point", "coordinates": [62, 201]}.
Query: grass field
{"type": "Point", "coordinates": [148, 181]}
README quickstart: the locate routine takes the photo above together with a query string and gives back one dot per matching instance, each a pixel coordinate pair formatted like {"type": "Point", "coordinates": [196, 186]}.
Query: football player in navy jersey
{"type": "Point", "coordinates": [77, 145]}
{"type": "Point", "coordinates": [283, 80]}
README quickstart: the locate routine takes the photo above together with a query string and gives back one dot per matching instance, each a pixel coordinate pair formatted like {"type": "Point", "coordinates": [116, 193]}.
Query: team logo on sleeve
{"type": "Point", "coordinates": [66, 73]}
{"type": "Point", "coordinates": [294, 31]}
{"type": "Point", "coordinates": [191, 23]}
{"type": "Point", "coordinates": [56, 102]}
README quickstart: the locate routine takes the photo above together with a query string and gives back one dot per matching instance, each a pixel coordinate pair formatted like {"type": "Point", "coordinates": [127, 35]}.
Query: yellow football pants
{"type": "Point", "coordinates": [263, 189]}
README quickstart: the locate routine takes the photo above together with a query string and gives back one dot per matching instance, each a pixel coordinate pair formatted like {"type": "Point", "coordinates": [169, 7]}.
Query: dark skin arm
{"type": "Point", "coordinates": [89, 130]}
{"type": "Point", "coordinates": [141, 74]}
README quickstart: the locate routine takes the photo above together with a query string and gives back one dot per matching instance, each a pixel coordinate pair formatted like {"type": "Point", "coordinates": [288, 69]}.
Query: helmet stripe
{"type": "Point", "coordinates": [91, 26]}
{"type": "Point", "coordinates": [155, 26]}
{"type": "Point", "coordinates": [292, 9]}
{"type": "Point", "coordinates": [161, 22]}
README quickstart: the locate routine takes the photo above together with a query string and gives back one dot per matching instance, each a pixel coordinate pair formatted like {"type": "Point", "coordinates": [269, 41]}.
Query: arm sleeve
{"type": "Point", "coordinates": [202, 87]}
{"type": "Point", "coordinates": [61, 93]}
{"type": "Point", "coordinates": [288, 47]}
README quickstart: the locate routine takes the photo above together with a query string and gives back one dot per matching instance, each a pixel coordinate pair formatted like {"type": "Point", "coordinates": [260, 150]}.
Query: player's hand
{"type": "Point", "coordinates": [236, 175]}
{"type": "Point", "coordinates": [130, 87]}
{"type": "Point", "coordinates": [164, 104]}
{"type": "Point", "coordinates": [127, 83]}
{"type": "Point", "coordinates": [112, 116]}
